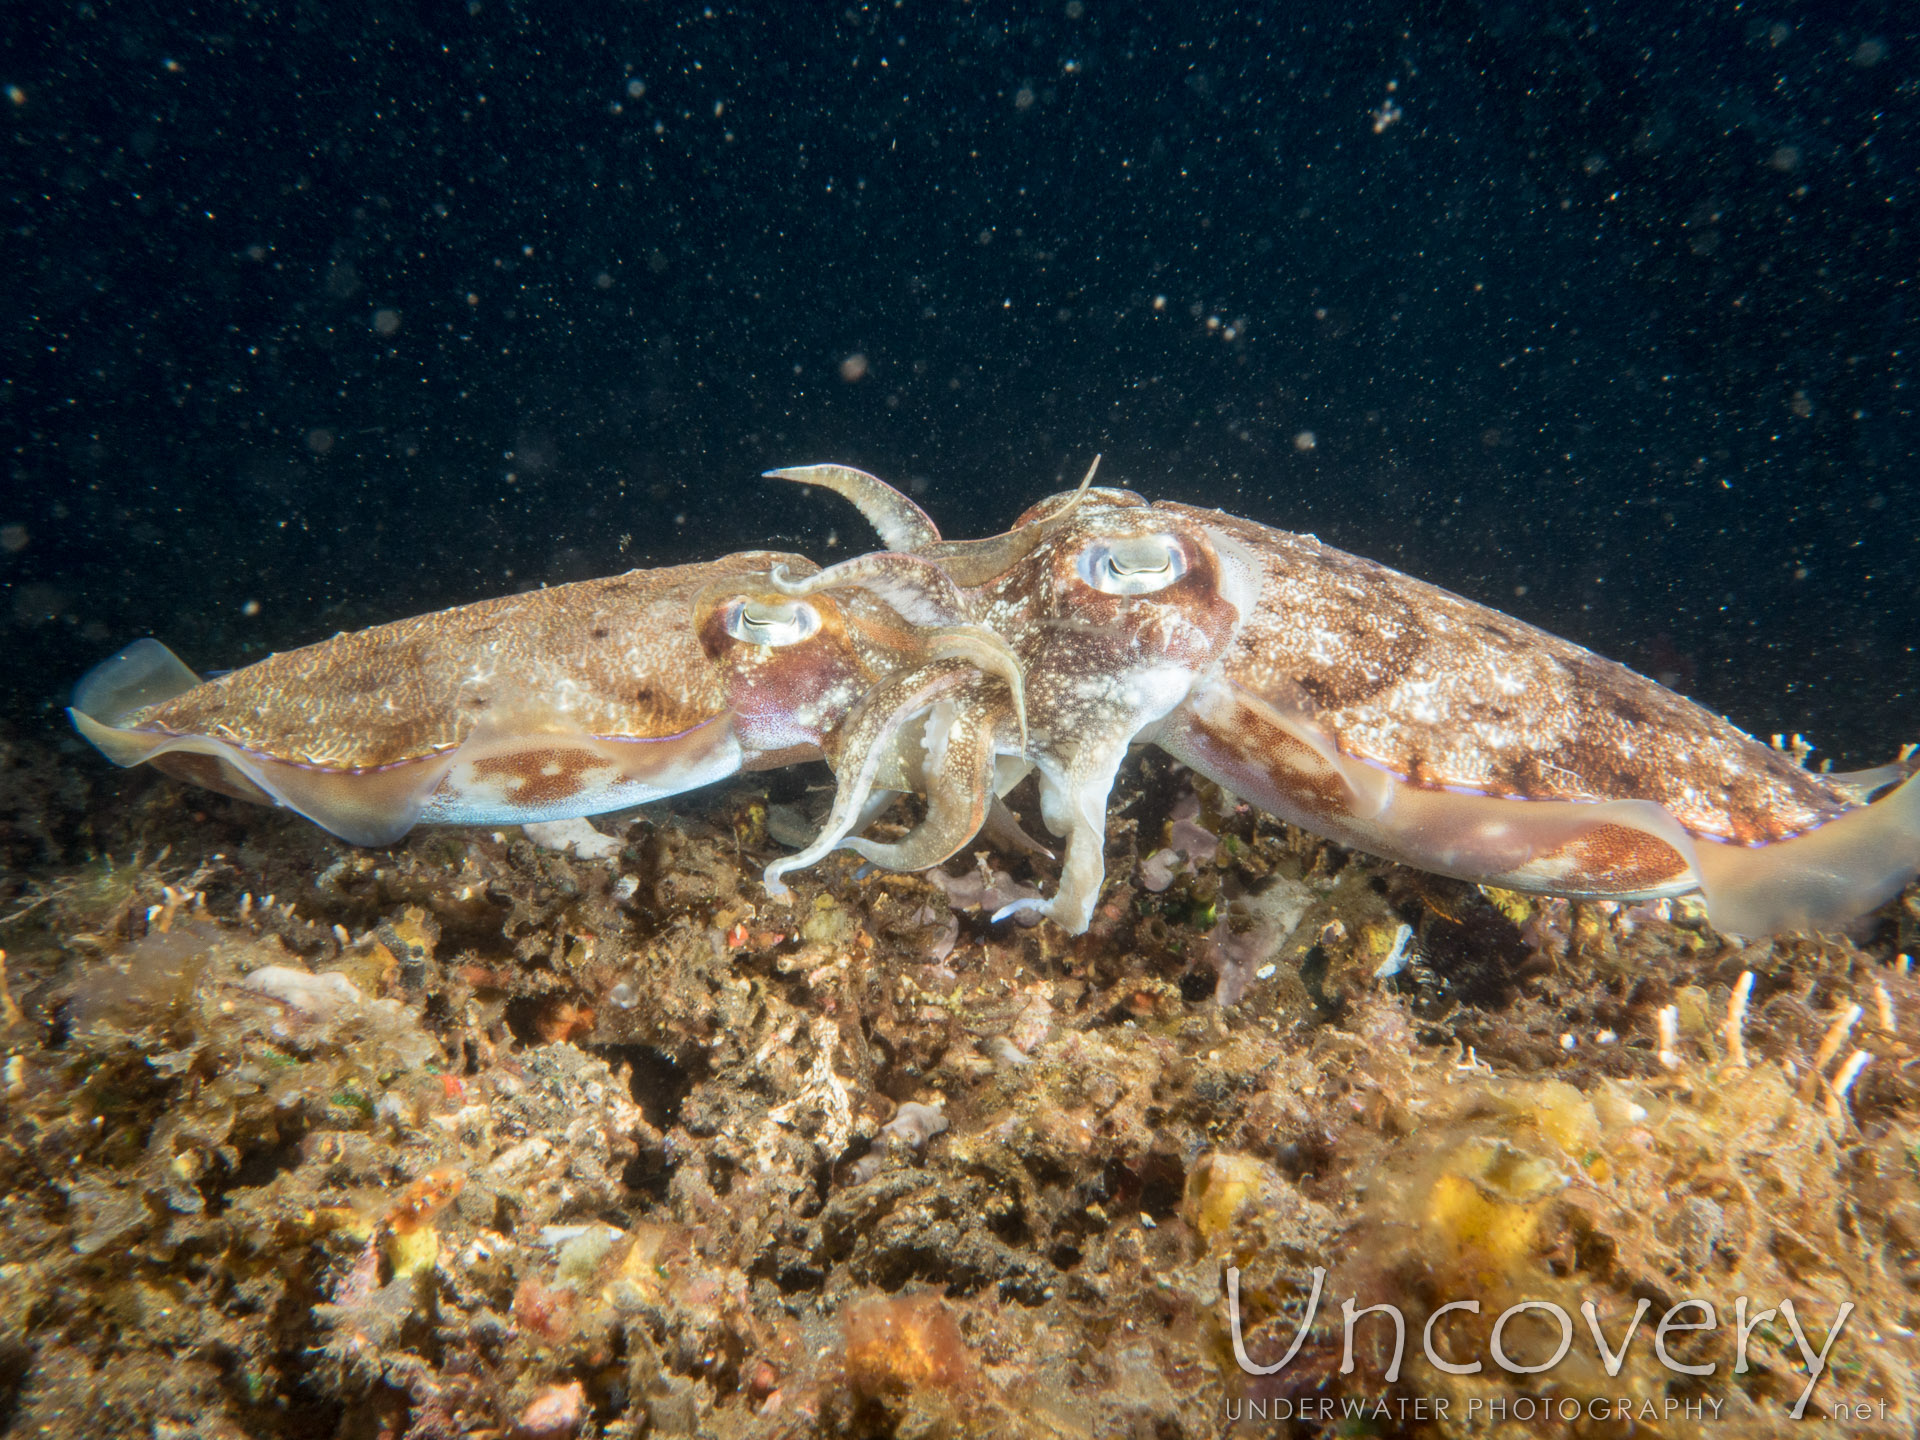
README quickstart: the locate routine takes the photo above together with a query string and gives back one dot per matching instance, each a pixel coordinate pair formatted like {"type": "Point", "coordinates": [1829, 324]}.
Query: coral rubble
{"type": "Point", "coordinates": [473, 1137]}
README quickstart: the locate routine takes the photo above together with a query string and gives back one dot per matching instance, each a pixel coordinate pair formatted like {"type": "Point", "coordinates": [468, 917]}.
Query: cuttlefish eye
{"type": "Point", "coordinates": [772, 622]}
{"type": "Point", "coordinates": [1132, 564]}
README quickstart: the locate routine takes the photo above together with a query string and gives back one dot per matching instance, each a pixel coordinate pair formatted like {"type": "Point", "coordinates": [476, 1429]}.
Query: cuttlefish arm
{"type": "Point", "coordinates": [1076, 779]}
{"type": "Point", "coordinates": [1113, 616]}
{"type": "Point", "coordinates": [548, 705]}
{"type": "Point", "coordinates": [902, 525]}
{"type": "Point", "coordinates": [937, 726]}
{"type": "Point", "coordinates": [921, 591]}
{"type": "Point", "coordinates": [866, 747]}
{"type": "Point", "coordinates": [965, 733]}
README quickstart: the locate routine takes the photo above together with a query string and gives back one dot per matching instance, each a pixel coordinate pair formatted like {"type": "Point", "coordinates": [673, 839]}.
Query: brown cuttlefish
{"type": "Point", "coordinates": [1391, 715]}
{"type": "Point", "coordinates": [585, 698]}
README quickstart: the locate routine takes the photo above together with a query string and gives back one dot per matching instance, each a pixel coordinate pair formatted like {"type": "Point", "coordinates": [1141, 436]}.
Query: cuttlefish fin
{"type": "Point", "coordinates": [144, 674]}
{"type": "Point", "coordinates": [868, 739]}
{"type": "Point", "coordinates": [366, 807]}
{"type": "Point", "coordinates": [1272, 753]}
{"type": "Point", "coordinates": [902, 524]}
{"type": "Point", "coordinates": [1615, 849]}
{"type": "Point", "coordinates": [1862, 785]}
{"type": "Point", "coordinates": [963, 734]}
{"type": "Point", "coordinates": [127, 682]}
{"type": "Point", "coordinates": [1818, 881]}
{"type": "Point", "coordinates": [373, 807]}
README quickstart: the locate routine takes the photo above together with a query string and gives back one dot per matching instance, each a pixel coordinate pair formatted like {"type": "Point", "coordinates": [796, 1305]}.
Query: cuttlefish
{"type": "Point", "coordinates": [584, 698]}
{"type": "Point", "coordinates": [1391, 715]}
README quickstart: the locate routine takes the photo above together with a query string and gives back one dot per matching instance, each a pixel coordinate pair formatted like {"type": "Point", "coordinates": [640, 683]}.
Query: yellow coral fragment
{"type": "Point", "coordinates": [413, 1252]}
{"type": "Point", "coordinates": [1219, 1187]}
{"type": "Point", "coordinates": [829, 924]}
{"type": "Point", "coordinates": [1567, 1118]}
{"type": "Point", "coordinates": [1488, 1204]}
{"type": "Point", "coordinates": [1511, 903]}
{"type": "Point", "coordinates": [1477, 1226]}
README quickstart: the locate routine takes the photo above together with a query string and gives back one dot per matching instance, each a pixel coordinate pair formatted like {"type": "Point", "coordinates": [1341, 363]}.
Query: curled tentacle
{"type": "Point", "coordinates": [868, 740]}
{"type": "Point", "coordinates": [986, 651]}
{"type": "Point", "coordinates": [964, 732]}
{"type": "Point", "coordinates": [975, 562]}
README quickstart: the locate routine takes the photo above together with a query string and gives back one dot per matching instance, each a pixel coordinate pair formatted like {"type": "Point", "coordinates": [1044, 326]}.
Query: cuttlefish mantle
{"type": "Point", "coordinates": [546, 705]}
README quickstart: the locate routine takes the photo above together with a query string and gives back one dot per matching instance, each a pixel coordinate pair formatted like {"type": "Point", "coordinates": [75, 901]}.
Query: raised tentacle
{"type": "Point", "coordinates": [975, 562]}
{"type": "Point", "coordinates": [902, 525]}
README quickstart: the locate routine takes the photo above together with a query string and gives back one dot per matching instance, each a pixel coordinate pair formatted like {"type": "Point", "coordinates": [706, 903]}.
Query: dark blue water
{"type": "Point", "coordinates": [321, 315]}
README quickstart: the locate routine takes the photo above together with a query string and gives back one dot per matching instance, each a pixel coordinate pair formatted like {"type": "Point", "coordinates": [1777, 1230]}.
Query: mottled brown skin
{"type": "Point", "coordinates": [615, 656]}
{"type": "Point", "coordinates": [1389, 714]}
{"type": "Point", "coordinates": [1443, 692]}
{"type": "Point", "coordinates": [537, 779]}
{"type": "Point", "coordinates": [523, 708]}
{"type": "Point", "coordinates": [1080, 646]}
{"type": "Point", "coordinates": [789, 701]}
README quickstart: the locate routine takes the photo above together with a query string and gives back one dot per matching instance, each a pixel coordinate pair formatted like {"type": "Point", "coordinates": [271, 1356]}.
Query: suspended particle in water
{"type": "Point", "coordinates": [1305, 441]}
{"type": "Point", "coordinates": [853, 368]}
